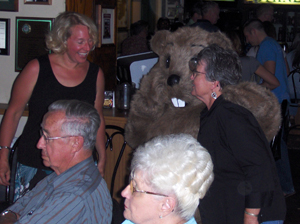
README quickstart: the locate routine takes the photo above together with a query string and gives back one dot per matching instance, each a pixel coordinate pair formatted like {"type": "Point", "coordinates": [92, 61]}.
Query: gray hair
{"type": "Point", "coordinates": [61, 31]}
{"type": "Point", "coordinates": [264, 9]}
{"type": "Point", "coordinates": [207, 6]}
{"type": "Point", "coordinates": [81, 119]}
{"type": "Point", "coordinates": [176, 165]}
{"type": "Point", "coordinates": [222, 65]}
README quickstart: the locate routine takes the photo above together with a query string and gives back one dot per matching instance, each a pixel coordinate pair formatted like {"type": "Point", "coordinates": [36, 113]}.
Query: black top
{"type": "Point", "coordinates": [244, 168]}
{"type": "Point", "coordinates": [46, 91]}
{"type": "Point", "coordinates": [206, 25]}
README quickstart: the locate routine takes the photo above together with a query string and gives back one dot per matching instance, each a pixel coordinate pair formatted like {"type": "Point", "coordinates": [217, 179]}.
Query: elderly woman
{"type": "Point", "coordinates": [246, 188]}
{"type": "Point", "coordinates": [168, 177]}
{"type": "Point", "coordinates": [64, 74]}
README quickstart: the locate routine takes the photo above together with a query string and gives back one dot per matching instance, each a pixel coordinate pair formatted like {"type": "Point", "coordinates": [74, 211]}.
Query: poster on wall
{"type": "Point", "coordinates": [108, 26]}
{"type": "Point", "coordinates": [30, 39]}
{"type": "Point", "coordinates": [4, 36]}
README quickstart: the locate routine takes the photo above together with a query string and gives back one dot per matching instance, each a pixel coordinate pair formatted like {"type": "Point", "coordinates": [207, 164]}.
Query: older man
{"type": "Point", "coordinates": [265, 12]}
{"type": "Point", "coordinates": [75, 192]}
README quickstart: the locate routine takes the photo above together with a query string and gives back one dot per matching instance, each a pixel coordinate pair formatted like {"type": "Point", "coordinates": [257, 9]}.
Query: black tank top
{"type": "Point", "coordinates": [46, 91]}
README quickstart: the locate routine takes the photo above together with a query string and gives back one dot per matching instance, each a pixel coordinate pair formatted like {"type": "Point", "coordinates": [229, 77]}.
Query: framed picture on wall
{"type": "Point", "coordinates": [123, 13]}
{"type": "Point", "coordinates": [99, 24]}
{"type": "Point", "coordinates": [4, 36]}
{"type": "Point", "coordinates": [9, 5]}
{"type": "Point", "coordinates": [30, 39]}
{"type": "Point", "coordinates": [38, 2]}
{"type": "Point", "coordinates": [174, 8]}
{"type": "Point", "coordinates": [108, 26]}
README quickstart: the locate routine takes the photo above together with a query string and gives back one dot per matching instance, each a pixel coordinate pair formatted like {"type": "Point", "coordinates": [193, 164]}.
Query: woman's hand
{"type": "Point", "coordinates": [4, 167]}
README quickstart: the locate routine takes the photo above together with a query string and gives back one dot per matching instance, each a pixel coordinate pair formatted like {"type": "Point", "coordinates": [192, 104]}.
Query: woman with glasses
{"type": "Point", "coordinates": [64, 74]}
{"type": "Point", "coordinates": [169, 175]}
{"type": "Point", "coordinates": [246, 188]}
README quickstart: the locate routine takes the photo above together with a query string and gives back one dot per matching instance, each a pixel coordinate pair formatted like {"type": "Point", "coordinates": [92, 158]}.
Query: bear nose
{"type": "Point", "coordinates": [173, 79]}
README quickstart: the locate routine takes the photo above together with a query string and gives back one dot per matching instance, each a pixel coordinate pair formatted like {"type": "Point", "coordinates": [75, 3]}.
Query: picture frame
{"type": "Point", "coordinates": [9, 5]}
{"type": "Point", "coordinates": [123, 14]}
{"type": "Point", "coordinates": [30, 39]}
{"type": "Point", "coordinates": [172, 9]}
{"type": "Point", "coordinates": [4, 36]}
{"type": "Point", "coordinates": [99, 24]}
{"type": "Point", "coordinates": [108, 26]}
{"type": "Point", "coordinates": [38, 2]}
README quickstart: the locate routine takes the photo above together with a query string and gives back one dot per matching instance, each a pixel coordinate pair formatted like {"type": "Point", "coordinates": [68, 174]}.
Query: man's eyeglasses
{"type": "Point", "coordinates": [53, 138]}
{"type": "Point", "coordinates": [133, 189]}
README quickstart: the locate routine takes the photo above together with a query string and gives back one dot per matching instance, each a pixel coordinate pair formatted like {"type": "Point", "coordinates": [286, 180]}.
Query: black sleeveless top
{"type": "Point", "coordinates": [46, 91]}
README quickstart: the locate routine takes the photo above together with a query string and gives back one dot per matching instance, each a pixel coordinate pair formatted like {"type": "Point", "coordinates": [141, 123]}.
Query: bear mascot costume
{"type": "Point", "coordinates": [164, 105]}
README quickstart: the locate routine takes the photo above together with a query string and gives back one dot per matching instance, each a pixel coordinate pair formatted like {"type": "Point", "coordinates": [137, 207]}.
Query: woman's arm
{"type": "Point", "coordinates": [21, 92]}
{"type": "Point", "coordinates": [100, 142]}
{"type": "Point", "coordinates": [250, 216]}
{"type": "Point", "coordinates": [270, 81]}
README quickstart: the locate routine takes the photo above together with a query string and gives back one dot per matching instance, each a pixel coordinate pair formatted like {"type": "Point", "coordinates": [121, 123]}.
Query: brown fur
{"type": "Point", "coordinates": [152, 112]}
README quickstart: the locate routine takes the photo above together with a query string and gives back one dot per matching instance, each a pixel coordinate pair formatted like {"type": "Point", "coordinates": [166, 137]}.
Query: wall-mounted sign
{"type": "Point", "coordinates": [4, 36]}
{"type": "Point", "coordinates": [30, 39]}
{"type": "Point", "coordinates": [281, 2]}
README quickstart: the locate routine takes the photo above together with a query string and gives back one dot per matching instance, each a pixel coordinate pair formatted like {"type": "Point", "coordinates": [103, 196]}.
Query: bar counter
{"type": "Point", "coordinates": [115, 117]}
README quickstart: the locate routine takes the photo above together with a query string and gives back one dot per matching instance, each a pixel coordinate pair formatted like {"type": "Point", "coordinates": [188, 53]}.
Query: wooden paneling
{"type": "Point", "coordinates": [85, 7]}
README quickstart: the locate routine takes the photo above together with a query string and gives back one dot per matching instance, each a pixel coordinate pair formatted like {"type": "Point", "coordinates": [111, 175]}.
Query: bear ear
{"type": "Point", "coordinates": [159, 41]}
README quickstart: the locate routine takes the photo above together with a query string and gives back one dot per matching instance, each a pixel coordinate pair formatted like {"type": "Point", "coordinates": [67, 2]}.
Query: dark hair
{"type": "Point", "coordinates": [235, 40]}
{"type": "Point", "coordinates": [197, 9]}
{"type": "Point", "coordinates": [253, 24]}
{"type": "Point", "coordinates": [163, 23]}
{"type": "Point", "coordinates": [222, 65]}
{"type": "Point", "coordinates": [137, 27]}
{"type": "Point", "coordinates": [270, 29]}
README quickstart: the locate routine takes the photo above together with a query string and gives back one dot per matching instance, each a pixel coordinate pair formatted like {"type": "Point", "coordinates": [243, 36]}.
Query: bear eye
{"type": "Point", "coordinates": [168, 62]}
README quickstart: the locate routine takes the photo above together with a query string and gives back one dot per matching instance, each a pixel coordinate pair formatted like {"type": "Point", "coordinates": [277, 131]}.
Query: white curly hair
{"type": "Point", "coordinates": [175, 165]}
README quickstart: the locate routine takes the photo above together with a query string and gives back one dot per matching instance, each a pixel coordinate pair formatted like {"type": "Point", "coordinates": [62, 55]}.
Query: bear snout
{"type": "Point", "coordinates": [173, 79]}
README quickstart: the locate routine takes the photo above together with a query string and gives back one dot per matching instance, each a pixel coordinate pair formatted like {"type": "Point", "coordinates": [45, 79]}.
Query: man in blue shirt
{"type": "Point", "coordinates": [269, 55]}
{"type": "Point", "coordinates": [75, 192]}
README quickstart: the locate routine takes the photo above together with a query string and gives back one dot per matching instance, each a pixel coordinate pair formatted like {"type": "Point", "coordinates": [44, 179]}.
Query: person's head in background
{"type": "Point", "coordinates": [169, 174]}
{"type": "Point", "coordinates": [236, 41]}
{"type": "Point", "coordinates": [196, 12]}
{"type": "Point", "coordinates": [56, 39]}
{"type": "Point", "coordinates": [210, 11]}
{"type": "Point", "coordinates": [265, 12]}
{"type": "Point", "coordinates": [139, 28]}
{"type": "Point", "coordinates": [254, 32]}
{"type": "Point", "coordinates": [270, 29]}
{"type": "Point", "coordinates": [163, 23]}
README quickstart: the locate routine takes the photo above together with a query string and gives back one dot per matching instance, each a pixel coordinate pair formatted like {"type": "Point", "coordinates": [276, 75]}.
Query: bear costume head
{"type": "Point", "coordinates": [164, 105]}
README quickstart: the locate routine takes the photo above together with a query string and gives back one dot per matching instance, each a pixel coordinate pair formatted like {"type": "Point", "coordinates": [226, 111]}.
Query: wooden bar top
{"type": "Point", "coordinates": [107, 112]}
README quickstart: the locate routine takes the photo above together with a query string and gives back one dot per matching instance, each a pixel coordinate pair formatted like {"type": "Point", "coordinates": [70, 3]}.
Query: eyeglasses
{"type": "Point", "coordinates": [53, 138]}
{"type": "Point", "coordinates": [133, 189]}
{"type": "Point", "coordinates": [195, 73]}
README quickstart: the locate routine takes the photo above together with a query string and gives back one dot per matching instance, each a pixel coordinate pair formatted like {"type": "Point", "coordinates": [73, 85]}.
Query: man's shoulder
{"type": "Point", "coordinates": [82, 178]}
